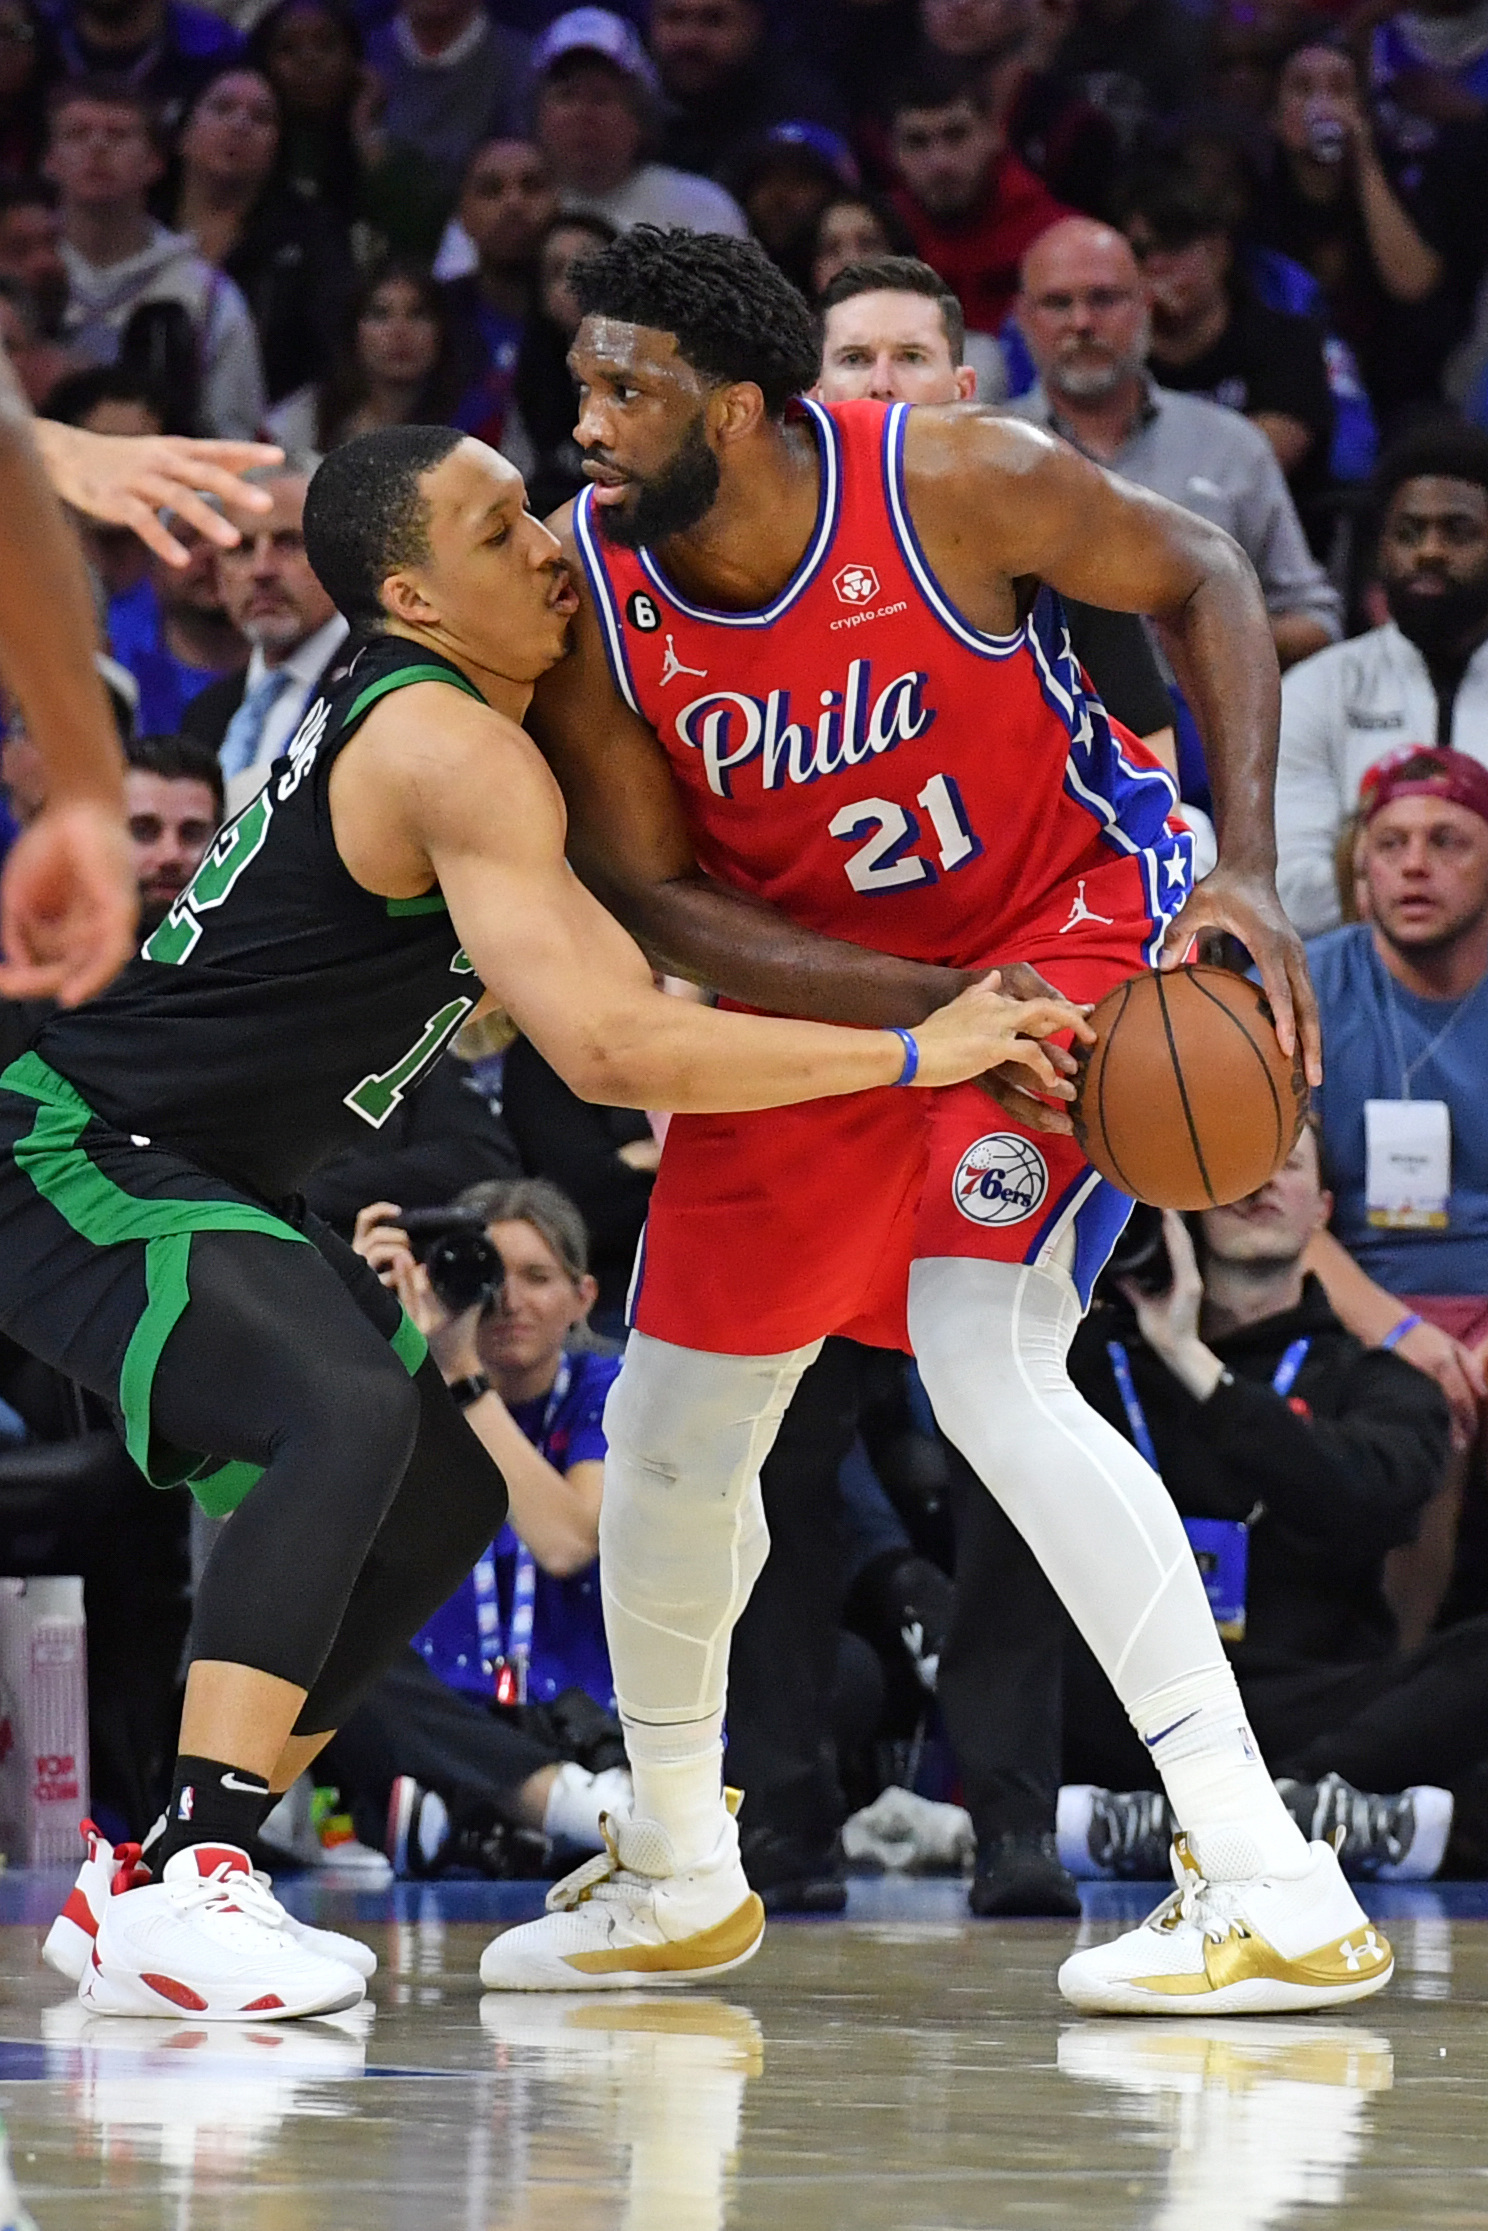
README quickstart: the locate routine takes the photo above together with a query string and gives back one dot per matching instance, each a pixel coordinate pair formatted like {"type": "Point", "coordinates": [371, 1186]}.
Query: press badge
{"type": "Point", "coordinates": [1407, 1164]}
{"type": "Point", "coordinates": [1221, 1548]}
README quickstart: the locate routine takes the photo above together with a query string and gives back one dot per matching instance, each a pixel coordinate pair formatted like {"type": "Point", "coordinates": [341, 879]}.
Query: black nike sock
{"type": "Point", "coordinates": [210, 1803]}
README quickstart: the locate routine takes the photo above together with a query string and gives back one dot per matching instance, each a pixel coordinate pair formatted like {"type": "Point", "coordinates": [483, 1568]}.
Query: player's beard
{"type": "Point", "coordinates": [671, 501]}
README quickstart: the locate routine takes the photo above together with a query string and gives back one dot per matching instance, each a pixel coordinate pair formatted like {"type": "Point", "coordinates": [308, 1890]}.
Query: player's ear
{"type": "Point", "coordinates": [736, 410]}
{"type": "Point", "coordinates": [966, 383]}
{"type": "Point", "coordinates": [403, 599]}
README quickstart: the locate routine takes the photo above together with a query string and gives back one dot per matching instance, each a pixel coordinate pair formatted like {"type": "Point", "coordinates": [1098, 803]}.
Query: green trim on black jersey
{"type": "Point", "coordinates": [363, 703]}
{"type": "Point", "coordinates": [428, 902]}
{"type": "Point", "coordinates": [54, 1159]}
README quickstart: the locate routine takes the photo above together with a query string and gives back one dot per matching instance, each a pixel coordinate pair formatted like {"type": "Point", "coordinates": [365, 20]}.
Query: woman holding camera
{"type": "Point", "coordinates": [500, 1286]}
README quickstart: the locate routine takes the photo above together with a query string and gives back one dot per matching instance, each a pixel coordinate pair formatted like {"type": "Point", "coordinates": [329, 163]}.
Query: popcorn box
{"type": "Point", "coordinates": [43, 1720]}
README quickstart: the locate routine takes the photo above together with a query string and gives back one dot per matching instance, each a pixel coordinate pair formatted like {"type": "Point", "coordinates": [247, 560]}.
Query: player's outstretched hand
{"type": "Point", "coordinates": [69, 904]}
{"type": "Point", "coordinates": [986, 1027]}
{"type": "Point", "coordinates": [127, 479]}
{"type": "Point", "coordinates": [1247, 906]}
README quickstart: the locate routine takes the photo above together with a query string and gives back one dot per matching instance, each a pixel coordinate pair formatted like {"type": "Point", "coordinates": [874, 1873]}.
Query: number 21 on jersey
{"type": "Point", "coordinates": [888, 861]}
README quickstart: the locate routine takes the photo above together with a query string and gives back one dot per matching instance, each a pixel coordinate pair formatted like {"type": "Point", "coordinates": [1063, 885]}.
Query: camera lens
{"type": "Point", "coordinates": [464, 1269]}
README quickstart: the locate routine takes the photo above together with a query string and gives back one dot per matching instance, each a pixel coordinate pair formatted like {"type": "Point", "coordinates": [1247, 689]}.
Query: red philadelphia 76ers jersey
{"type": "Point", "coordinates": [859, 754]}
{"type": "Point", "coordinates": [882, 771]}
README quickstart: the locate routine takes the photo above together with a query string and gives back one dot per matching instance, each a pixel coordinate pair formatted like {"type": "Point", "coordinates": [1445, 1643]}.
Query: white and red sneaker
{"type": "Point", "coordinates": [209, 1940]}
{"type": "Point", "coordinates": [109, 1867]}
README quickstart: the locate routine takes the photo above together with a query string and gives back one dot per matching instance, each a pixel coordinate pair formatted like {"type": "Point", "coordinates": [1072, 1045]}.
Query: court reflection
{"type": "Point", "coordinates": [620, 2114]}
{"type": "Point", "coordinates": [203, 2099]}
{"type": "Point", "coordinates": [1257, 2117]}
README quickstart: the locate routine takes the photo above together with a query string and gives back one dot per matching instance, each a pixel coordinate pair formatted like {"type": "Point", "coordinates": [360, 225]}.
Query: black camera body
{"type": "Point", "coordinates": [455, 1249]}
{"type": "Point", "coordinates": [1140, 1256]}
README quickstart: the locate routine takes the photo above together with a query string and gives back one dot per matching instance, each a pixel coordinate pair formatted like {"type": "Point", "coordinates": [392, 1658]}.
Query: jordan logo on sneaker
{"type": "Point", "coordinates": [671, 665]}
{"type": "Point", "coordinates": [1080, 912]}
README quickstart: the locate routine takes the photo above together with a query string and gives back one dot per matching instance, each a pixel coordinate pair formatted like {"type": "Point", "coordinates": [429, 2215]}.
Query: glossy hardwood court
{"type": "Point", "coordinates": [906, 2069]}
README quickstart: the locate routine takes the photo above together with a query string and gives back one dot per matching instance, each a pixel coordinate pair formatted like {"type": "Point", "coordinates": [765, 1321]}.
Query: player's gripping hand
{"type": "Point", "coordinates": [69, 904]}
{"type": "Point", "coordinates": [1246, 905]}
{"type": "Point", "coordinates": [985, 1027]}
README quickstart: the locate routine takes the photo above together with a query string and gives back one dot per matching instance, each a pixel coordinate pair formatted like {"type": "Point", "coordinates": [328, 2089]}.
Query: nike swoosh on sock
{"type": "Point", "coordinates": [1151, 1741]}
{"type": "Point", "coordinates": [244, 1789]}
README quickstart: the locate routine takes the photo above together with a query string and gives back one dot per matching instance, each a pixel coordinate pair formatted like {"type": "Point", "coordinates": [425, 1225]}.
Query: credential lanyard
{"type": "Point", "coordinates": [510, 1665]}
{"type": "Point", "coordinates": [1221, 1546]}
{"type": "Point", "coordinates": [1283, 1379]}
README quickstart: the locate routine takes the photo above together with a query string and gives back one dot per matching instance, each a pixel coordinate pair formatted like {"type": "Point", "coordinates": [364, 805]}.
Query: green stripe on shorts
{"type": "Point", "coordinates": [51, 1155]}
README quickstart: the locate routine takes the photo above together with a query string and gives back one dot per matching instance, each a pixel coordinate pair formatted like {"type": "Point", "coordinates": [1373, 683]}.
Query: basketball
{"type": "Point", "coordinates": [1186, 1100]}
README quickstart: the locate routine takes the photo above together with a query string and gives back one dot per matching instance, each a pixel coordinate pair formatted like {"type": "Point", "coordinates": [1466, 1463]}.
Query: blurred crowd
{"type": "Point", "coordinates": [1234, 250]}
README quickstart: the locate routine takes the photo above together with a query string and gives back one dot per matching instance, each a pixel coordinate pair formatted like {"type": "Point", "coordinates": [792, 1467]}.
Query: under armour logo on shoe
{"type": "Point", "coordinates": [1355, 1955]}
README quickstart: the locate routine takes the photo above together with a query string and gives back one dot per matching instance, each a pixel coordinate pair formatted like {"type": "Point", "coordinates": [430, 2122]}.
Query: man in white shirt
{"type": "Point", "coordinates": [597, 102]}
{"type": "Point", "coordinates": [297, 635]}
{"type": "Point", "coordinates": [1420, 679]}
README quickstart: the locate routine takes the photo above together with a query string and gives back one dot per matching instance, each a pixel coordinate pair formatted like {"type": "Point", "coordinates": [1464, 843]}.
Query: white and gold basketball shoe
{"type": "Point", "coordinates": [1269, 1945]}
{"type": "Point", "coordinates": [628, 1919]}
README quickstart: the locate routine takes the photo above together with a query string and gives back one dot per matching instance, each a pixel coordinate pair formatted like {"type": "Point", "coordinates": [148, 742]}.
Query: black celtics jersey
{"type": "Point", "coordinates": [280, 1012]}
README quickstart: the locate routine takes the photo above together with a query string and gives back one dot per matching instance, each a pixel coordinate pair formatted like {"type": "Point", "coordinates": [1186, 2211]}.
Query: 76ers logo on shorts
{"type": "Point", "coordinates": [1000, 1180]}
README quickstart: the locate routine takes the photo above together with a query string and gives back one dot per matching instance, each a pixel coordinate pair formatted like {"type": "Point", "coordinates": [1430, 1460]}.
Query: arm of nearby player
{"type": "Point", "coordinates": [1026, 503]}
{"type": "Point", "coordinates": [474, 798]}
{"type": "Point", "coordinates": [629, 841]}
{"type": "Point", "coordinates": [68, 904]}
{"type": "Point", "coordinates": [130, 479]}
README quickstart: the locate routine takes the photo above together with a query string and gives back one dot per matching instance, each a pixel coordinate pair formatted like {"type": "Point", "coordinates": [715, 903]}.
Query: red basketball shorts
{"type": "Point", "coordinates": [775, 1228]}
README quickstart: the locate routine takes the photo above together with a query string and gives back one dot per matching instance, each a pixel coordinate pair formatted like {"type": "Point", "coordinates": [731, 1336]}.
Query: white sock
{"type": "Point", "coordinates": [991, 1341]}
{"type": "Point", "coordinates": [1217, 1783]}
{"type": "Point", "coordinates": [682, 1539]}
{"type": "Point", "coordinates": [678, 1778]}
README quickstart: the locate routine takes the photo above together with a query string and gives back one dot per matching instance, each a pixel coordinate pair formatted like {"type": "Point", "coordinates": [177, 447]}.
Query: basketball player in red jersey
{"type": "Point", "coordinates": [824, 746]}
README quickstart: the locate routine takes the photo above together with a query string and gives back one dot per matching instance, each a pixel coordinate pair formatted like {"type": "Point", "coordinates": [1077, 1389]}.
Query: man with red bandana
{"type": "Point", "coordinates": [1405, 1036]}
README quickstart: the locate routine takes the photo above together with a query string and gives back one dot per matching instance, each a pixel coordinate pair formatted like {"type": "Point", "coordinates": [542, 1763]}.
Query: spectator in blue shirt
{"type": "Point", "coordinates": [1404, 1116]}
{"type": "Point", "coordinates": [526, 1628]}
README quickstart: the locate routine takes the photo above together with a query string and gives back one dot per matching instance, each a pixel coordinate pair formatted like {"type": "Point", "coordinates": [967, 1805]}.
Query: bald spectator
{"type": "Point", "coordinates": [1083, 312]}
{"type": "Point", "coordinates": [973, 207]}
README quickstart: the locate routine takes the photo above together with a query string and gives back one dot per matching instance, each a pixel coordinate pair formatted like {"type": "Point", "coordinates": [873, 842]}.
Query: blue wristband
{"type": "Point", "coordinates": [911, 1067]}
{"type": "Point", "coordinates": [1398, 1332]}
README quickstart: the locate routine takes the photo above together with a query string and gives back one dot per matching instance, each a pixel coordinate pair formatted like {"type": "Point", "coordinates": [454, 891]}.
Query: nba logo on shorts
{"type": "Point", "coordinates": [1000, 1180]}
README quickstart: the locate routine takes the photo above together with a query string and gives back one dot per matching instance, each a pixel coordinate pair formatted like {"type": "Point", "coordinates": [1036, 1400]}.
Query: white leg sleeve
{"type": "Point", "coordinates": [991, 1341]}
{"type": "Point", "coordinates": [682, 1540]}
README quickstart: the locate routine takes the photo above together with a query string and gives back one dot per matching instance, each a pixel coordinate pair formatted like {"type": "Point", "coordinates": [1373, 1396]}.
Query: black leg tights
{"type": "Point", "coordinates": [376, 1498]}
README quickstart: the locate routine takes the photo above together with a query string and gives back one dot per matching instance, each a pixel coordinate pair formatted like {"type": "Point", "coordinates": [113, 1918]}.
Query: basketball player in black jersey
{"type": "Point", "coordinates": [407, 851]}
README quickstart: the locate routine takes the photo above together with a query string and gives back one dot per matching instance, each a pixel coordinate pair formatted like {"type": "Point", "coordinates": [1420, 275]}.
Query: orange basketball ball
{"type": "Point", "coordinates": [1186, 1100]}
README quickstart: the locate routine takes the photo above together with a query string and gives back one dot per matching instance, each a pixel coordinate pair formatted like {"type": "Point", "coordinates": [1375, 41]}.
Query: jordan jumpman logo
{"type": "Point", "coordinates": [671, 666]}
{"type": "Point", "coordinates": [1080, 912]}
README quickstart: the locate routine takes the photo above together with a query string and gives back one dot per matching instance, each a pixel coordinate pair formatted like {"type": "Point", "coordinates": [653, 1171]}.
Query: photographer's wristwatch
{"type": "Point", "coordinates": [466, 1391]}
